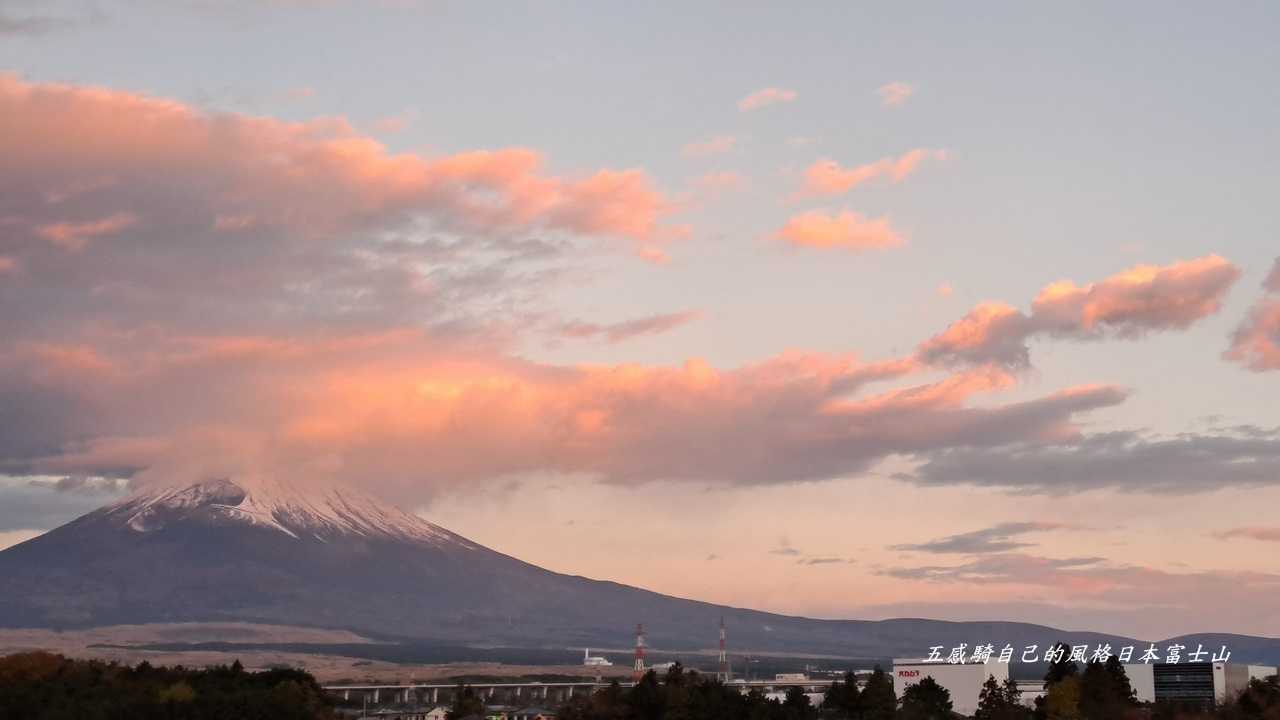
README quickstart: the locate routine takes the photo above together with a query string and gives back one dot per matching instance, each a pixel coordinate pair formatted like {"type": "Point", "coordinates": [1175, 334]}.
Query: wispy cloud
{"type": "Point", "coordinates": [824, 561]}
{"type": "Point", "coordinates": [826, 178]}
{"type": "Point", "coordinates": [1265, 534]}
{"type": "Point", "coordinates": [999, 538]}
{"type": "Point", "coordinates": [894, 94]}
{"type": "Point", "coordinates": [765, 97]}
{"type": "Point", "coordinates": [627, 329]}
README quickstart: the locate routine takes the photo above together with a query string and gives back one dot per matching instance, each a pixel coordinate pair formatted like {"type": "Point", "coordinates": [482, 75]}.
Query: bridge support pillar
{"type": "Point", "coordinates": [376, 695]}
{"type": "Point", "coordinates": [435, 695]}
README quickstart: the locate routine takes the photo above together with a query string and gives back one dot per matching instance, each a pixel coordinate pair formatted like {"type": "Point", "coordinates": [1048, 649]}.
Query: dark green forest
{"type": "Point", "coordinates": [43, 686]}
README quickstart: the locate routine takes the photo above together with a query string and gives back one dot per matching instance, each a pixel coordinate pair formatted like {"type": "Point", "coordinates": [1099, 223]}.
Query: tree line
{"type": "Point", "coordinates": [1098, 691]}
{"type": "Point", "coordinates": [45, 686]}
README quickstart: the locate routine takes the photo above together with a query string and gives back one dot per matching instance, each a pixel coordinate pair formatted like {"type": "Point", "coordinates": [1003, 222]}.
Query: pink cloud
{"type": "Point", "coordinates": [1145, 298]}
{"type": "Point", "coordinates": [413, 416]}
{"type": "Point", "coordinates": [827, 177]}
{"type": "Point", "coordinates": [7, 264]}
{"type": "Point", "coordinates": [847, 230]}
{"type": "Point", "coordinates": [894, 94]}
{"type": "Point", "coordinates": [717, 145]}
{"type": "Point", "coordinates": [766, 96]}
{"type": "Point", "coordinates": [74, 236]}
{"type": "Point", "coordinates": [319, 177]}
{"type": "Point", "coordinates": [1255, 344]}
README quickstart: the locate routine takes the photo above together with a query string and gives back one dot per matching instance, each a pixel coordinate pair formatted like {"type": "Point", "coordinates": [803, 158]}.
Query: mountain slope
{"type": "Point", "coordinates": [335, 558]}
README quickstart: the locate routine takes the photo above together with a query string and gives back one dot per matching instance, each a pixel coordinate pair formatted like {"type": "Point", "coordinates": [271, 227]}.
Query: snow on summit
{"type": "Point", "coordinates": [320, 513]}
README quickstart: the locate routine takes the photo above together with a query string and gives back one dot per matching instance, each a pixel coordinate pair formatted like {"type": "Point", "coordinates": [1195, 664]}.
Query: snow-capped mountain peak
{"type": "Point", "coordinates": [318, 512]}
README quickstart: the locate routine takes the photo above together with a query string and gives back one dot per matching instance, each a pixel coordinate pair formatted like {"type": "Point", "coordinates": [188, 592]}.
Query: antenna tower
{"type": "Point", "coordinates": [638, 669]}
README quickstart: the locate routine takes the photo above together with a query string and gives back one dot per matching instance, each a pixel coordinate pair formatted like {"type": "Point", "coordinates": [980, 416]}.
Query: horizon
{"type": "Point", "coordinates": [833, 312]}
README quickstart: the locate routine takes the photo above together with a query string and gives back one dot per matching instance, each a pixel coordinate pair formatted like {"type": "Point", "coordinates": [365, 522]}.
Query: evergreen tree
{"type": "Point", "coordinates": [1062, 702]}
{"type": "Point", "coordinates": [796, 705]}
{"type": "Point", "coordinates": [926, 700]}
{"type": "Point", "coordinates": [1061, 667]}
{"type": "Point", "coordinates": [843, 699]}
{"type": "Point", "coordinates": [647, 699]}
{"type": "Point", "coordinates": [1014, 709]}
{"type": "Point", "coordinates": [992, 701]}
{"type": "Point", "coordinates": [879, 702]}
{"type": "Point", "coordinates": [1120, 679]}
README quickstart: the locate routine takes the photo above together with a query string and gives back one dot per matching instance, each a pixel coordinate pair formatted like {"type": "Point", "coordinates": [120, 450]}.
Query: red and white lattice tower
{"type": "Point", "coordinates": [724, 659]}
{"type": "Point", "coordinates": [637, 671]}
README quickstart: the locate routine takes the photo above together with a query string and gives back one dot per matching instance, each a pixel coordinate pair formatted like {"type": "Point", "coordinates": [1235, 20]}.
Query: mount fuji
{"type": "Point", "coordinates": [266, 552]}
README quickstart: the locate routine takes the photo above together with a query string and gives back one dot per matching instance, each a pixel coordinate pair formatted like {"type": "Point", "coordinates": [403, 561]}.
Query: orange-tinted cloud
{"type": "Point", "coordinates": [827, 177]}
{"type": "Point", "coordinates": [413, 415]}
{"type": "Point", "coordinates": [846, 230]}
{"type": "Point", "coordinates": [766, 96]}
{"type": "Point", "coordinates": [74, 236]}
{"type": "Point", "coordinates": [318, 177]}
{"type": "Point", "coordinates": [1256, 343]}
{"type": "Point", "coordinates": [1140, 299]}
{"type": "Point", "coordinates": [1145, 298]}
{"type": "Point", "coordinates": [894, 94]}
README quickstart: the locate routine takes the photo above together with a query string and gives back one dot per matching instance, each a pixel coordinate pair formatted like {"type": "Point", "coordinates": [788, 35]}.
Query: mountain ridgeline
{"type": "Point", "coordinates": [336, 558]}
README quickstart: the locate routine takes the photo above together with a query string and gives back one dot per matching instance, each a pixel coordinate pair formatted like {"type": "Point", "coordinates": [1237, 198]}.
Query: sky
{"type": "Point", "coordinates": [954, 311]}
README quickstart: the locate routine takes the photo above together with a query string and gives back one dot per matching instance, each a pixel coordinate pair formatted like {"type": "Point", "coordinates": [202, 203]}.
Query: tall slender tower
{"type": "Point", "coordinates": [637, 671]}
{"type": "Point", "coordinates": [724, 659]}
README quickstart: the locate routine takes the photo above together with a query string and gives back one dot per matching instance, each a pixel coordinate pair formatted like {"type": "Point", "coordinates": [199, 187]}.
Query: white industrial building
{"type": "Point", "coordinates": [1214, 682]}
{"type": "Point", "coordinates": [963, 680]}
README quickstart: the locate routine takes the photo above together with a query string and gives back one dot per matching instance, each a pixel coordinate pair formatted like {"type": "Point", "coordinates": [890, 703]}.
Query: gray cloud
{"type": "Point", "coordinates": [784, 548]}
{"type": "Point", "coordinates": [27, 505]}
{"type": "Point", "coordinates": [32, 19]}
{"type": "Point", "coordinates": [823, 561]}
{"type": "Point", "coordinates": [625, 330]}
{"type": "Point", "coordinates": [1004, 567]}
{"type": "Point", "coordinates": [1126, 461]}
{"type": "Point", "coordinates": [989, 540]}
